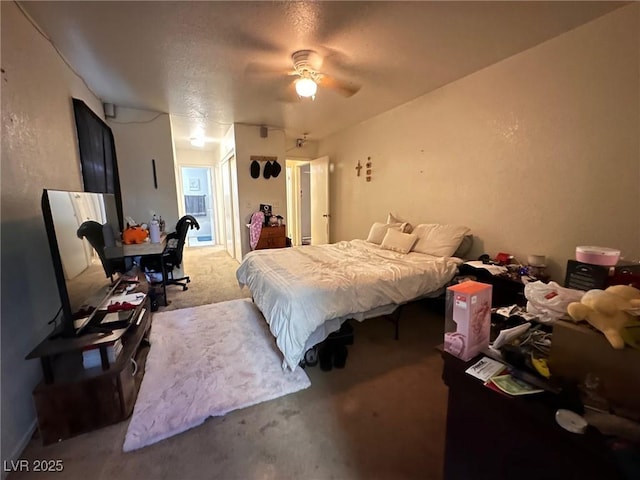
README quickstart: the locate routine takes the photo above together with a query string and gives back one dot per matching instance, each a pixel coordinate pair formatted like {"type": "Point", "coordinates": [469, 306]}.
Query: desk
{"type": "Point", "coordinates": [145, 249]}
{"type": "Point", "coordinates": [494, 436]}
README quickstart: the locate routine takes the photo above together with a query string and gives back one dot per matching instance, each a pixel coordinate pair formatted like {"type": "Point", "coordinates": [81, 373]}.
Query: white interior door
{"type": "Point", "coordinates": [227, 207]}
{"type": "Point", "coordinates": [320, 213]}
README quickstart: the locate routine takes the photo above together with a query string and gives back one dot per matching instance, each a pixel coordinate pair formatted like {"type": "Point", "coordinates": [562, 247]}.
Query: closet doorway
{"type": "Point", "coordinates": [198, 200]}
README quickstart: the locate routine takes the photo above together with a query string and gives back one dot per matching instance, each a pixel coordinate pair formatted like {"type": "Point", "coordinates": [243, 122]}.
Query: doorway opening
{"type": "Point", "coordinates": [308, 201]}
{"type": "Point", "coordinates": [198, 200]}
{"type": "Point", "coordinates": [298, 202]}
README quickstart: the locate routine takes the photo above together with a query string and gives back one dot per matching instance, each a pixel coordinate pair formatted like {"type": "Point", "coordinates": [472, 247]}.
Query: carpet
{"type": "Point", "coordinates": [206, 361]}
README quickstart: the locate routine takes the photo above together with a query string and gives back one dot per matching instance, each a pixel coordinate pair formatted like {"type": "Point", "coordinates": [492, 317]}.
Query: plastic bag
{"type": "Point", "coordinates": [549, 301]}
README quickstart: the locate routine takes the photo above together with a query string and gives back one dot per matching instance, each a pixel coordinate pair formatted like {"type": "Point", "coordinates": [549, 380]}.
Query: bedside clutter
{"type": "Point", "coordinates": [508, 286]}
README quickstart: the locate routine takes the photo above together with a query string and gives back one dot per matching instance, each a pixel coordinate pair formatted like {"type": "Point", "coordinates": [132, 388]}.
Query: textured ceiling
{"type": "Point", "coordinates": [190, 59]}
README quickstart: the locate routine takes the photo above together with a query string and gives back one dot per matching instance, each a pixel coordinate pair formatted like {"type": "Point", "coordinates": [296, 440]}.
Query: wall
{"type": "Point", "coordinates": [536, 154]}
{"type": "Point", "coordinates": [254, 191]}
{"type": "Point", "coordinates": [308, 151]}
{"type": "Point", "coordinates": [141, 136]}
{"type": "Point", "coordinates": [39, 150]}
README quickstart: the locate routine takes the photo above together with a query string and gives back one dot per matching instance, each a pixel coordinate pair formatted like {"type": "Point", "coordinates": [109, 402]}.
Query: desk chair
{"type": "Point", "coordinates": [92, 231]}
{"type": "Point", "coordinates": [172, 256]}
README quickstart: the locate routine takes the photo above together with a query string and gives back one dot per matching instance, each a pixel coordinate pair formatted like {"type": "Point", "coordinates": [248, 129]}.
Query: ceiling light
{"type": "Point", "coordinates": [305, 87]}
{"type": "Point", "coordinates": [197, 141]}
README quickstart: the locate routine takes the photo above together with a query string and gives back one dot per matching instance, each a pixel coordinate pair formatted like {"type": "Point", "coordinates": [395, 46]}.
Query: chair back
{"type": "Point", "coordinates": [92, 231]}
{"type": "Point", "coordinates": [182, 228]}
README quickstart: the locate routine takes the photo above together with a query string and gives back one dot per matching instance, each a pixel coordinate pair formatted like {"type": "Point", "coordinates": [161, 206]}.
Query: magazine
{"type": "Point", "coordinates": [513, 386]}
{"type": "Point", "coordinates": [496, 376]}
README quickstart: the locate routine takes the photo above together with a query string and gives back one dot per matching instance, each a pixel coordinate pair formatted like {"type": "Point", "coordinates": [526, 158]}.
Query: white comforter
{"type": "Point", "coordinates": [299, 289]}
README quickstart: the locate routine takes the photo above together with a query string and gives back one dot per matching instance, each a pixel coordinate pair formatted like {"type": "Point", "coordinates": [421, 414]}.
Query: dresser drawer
{"type": "Point", "coordinates": [272, 237]}
{"type": "Point", "coordinates": [273, 232]}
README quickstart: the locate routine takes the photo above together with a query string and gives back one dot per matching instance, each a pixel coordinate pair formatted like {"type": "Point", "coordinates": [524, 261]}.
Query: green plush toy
{"type": "Point", "coordinates": [610, 311]}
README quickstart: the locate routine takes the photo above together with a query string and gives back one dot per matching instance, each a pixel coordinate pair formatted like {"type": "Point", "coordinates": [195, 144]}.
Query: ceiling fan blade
{"type": "Point", "coordinates": [344, 88]}
{"type": "Point", "coordinates": [255, 69]}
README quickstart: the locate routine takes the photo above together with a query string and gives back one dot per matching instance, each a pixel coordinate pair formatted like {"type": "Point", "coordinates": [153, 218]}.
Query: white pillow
{"type": "Point", "coordinates": [439, 240]}
{"type": "Point", "coordinates": [379, 230]}
{"type": "Point", "coordinates": [398, 241]}
{"type": "Point", "coordinates": [393, 220]}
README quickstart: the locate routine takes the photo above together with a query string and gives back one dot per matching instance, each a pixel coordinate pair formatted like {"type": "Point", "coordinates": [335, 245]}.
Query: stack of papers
{"type": "Point", "coordinates": [486, 368]}
{"type": "Point", "coordinates": [496, 375]}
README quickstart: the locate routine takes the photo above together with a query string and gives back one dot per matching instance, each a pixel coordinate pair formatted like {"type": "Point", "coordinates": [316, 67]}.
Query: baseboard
{"type": "Point", "coordinates": [22, 444]}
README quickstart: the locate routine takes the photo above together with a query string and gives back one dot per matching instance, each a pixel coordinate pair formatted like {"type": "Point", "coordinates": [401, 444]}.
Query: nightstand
{"type": "Point", "coordinates": [272, 237]}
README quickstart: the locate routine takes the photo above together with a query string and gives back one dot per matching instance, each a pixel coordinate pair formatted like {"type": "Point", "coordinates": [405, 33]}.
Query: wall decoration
{"type": "Point", "coordinates": [368, 171]}
{"type": "Point", "coordinates": [358, 168]}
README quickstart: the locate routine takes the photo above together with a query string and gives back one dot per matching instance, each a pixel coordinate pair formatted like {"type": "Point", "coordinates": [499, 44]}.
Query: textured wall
{"type": "Point", "coordinates": [141, 136]}
{"type": "Point", "coordinates": [254, 191]}
{"type": "Point", "coordinates": [537, 154]}
{"type": "Point", "coordinates": [39, 150]}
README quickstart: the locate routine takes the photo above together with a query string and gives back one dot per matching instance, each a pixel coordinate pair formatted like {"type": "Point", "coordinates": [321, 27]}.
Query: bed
{"type": "Point", "coordinates": [306, 292]}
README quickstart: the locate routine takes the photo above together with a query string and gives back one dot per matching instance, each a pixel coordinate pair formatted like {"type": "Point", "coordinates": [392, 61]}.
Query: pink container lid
{"type": "Point", "coordinates": [597, 255]}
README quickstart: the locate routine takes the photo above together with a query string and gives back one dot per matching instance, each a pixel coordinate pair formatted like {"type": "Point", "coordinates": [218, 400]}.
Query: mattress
{"type": "Point", "coordinates": [305, 292]}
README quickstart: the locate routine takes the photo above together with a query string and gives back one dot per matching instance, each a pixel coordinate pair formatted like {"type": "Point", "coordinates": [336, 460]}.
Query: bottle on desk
{"type": "Point", "coordinates": [154, 230]}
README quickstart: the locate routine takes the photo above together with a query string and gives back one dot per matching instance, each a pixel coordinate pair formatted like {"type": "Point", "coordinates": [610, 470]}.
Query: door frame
{"type": "Point", "coordinates": [212, 182]}
{"type": "Point", "coordinates": [294, 215]}
{"type": "Point", "coordinates": [294, 210]}
{"type": "Point", "coordinates": [227, 211]}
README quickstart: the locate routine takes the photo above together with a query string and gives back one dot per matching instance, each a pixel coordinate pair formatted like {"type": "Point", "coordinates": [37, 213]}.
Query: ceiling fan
{"type": "Point", "coordinates": [309, 77]}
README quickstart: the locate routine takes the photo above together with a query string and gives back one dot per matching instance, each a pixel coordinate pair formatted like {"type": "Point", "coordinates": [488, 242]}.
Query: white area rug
{"type": "Point", "coordinates": [206, 361]}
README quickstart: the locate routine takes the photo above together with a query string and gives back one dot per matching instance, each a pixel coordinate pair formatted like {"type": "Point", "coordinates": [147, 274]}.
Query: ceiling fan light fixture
{"type": "Point", "coordinates": [306, 87]}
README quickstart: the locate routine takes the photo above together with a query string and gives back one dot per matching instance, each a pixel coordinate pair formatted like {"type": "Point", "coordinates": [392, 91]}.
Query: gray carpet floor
{"type": "Point", "coordinates": [381, 417]}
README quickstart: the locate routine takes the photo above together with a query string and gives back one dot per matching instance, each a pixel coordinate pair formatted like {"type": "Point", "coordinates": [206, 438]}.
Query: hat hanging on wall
{"type": "Point", "coordinates": [255, 169]}
{"type": "Point", "coordinates": [267, 170]}
{"type": "Point", "coordinates": [275, 169]}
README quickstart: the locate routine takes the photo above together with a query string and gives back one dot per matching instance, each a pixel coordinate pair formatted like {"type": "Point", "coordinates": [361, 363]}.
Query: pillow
{"type": "Point", "coordinates": [465, 246]}
{"type": "Point", "coordinates": [379, 230]}
{"type": "Point", "coordinates": [398, 241]}
{"type": "Point", "coordinates": [439, 240]}
{"type": "Point", "coordinates": [406, 226]}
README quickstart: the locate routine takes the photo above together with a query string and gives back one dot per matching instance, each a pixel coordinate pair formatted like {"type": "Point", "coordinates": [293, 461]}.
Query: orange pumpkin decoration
{"type": "Point", "coordinates": [134, 235]}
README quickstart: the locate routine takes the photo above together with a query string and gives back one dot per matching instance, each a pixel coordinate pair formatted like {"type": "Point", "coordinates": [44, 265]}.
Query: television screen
{"type": "Point", "coordinates": [79, 225]}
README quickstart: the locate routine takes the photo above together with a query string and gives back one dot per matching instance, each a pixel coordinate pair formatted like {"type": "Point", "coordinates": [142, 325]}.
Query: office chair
{"type": "Point", "coordinates": [172, 256]}
{"type": "Point", "coordinates": [92, 231]}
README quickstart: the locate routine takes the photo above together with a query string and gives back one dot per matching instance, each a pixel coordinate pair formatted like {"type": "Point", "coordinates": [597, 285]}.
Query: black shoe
{"type": "Point", "coordinates": [311, 357]}
{"type": "Point", "coordinates": [340, 356]}
{"type": "Point", "coordinates": [325, 355]}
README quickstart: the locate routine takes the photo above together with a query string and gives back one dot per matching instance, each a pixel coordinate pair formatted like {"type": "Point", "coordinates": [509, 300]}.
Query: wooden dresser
{"type": "Point", "coordinates": [272, 237]}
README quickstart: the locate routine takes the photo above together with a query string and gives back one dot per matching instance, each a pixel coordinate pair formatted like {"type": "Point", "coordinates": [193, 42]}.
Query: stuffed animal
{"type": "Point", "coordinates": [134, 235]}
{"type": "Point", "coordinates": [608, 311]}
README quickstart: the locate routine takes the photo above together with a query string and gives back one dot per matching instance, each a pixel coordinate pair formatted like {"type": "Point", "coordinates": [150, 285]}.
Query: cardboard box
{"type": "Point", "coordinates": [578, 350]}
{"type": "Point", "coordinates": [467, 319]}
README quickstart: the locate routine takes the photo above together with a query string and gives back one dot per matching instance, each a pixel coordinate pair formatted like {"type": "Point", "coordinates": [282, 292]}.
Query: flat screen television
{"type": "Point", "coordinates": [83, 274]}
